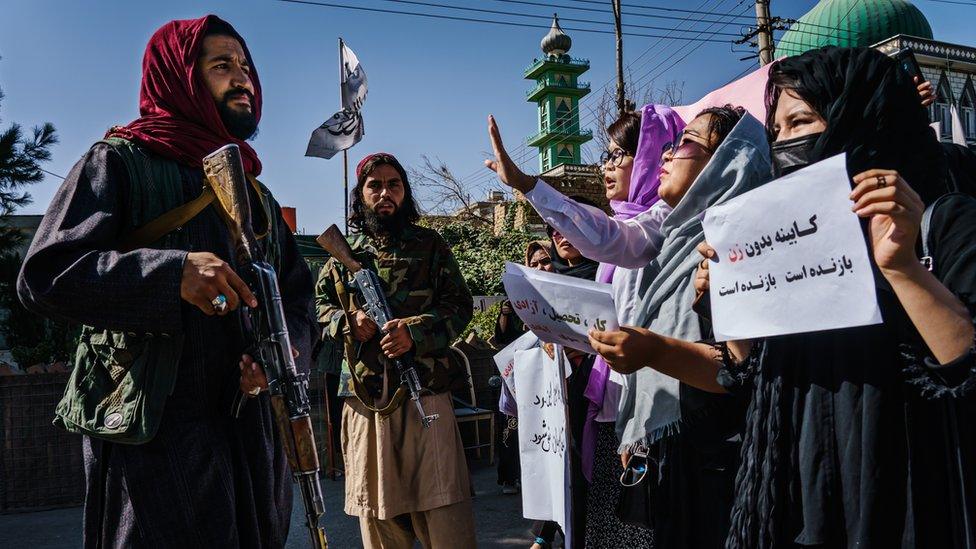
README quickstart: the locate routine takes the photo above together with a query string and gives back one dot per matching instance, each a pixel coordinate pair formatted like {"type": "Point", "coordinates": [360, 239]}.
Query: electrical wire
{"type": "Point", "coordinates": [51, 173]}
{"type": "Point", "coordinates": [475, 20]}
{"type": "Point", "coordinates": [535, 16]}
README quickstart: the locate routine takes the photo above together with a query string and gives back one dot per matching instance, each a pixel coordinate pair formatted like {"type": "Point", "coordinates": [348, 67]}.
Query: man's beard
{"type": "Point", "coordinates": [381, 226]}
{"type": "Point", "coordinates": [240, 124]}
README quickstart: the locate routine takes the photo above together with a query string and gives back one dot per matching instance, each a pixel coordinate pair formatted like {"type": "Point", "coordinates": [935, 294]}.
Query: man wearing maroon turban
{"type": "Point", "coordinates": [161, 352]}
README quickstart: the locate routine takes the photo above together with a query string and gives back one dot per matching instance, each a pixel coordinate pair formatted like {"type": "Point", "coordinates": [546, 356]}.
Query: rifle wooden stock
{"type": "Point", "coordinates": [297, 437]}
{"type": "Point", "coordinates": [225, 174]}
{"type": "Point", "coordinates": [335, 243]}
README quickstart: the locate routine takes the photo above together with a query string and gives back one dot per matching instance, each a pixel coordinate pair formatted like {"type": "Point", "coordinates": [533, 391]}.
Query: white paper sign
{"type": "Point", "coordinates": [542, 436]}
{"type": "Point", "coordinates": [505, 359]}
{"type": "Point", "coordinates": [791, 258]}
{"type": "Point", "coordinates": [557, 308]}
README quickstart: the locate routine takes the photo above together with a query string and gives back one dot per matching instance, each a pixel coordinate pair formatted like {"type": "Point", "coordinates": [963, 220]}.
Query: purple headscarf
{"type": "Point", "coordinates": [659, 126]}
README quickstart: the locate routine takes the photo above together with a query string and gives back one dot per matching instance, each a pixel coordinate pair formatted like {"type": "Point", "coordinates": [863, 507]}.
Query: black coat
{"type": "Point", "coordinates": [205, 479]}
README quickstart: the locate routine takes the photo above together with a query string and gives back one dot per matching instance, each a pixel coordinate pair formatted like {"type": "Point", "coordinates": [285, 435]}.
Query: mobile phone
{"type": "Point", "coordinates": [905, 58]}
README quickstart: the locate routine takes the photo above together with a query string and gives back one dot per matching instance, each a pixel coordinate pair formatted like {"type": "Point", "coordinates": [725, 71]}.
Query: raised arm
{"type": "Point", "coordinates": [629, 243]}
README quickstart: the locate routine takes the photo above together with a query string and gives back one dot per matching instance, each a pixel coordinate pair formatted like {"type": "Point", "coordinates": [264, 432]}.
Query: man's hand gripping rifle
{"type": "Point", "coordinates": [376, 308]}
{"type": "Point", "coordinates": [265, 326]}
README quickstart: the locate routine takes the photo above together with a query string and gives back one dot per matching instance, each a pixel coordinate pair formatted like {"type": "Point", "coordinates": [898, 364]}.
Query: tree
{"type": "Point", "coordinates": [20, 160]}
{"type": "Point", "coordinates": [605, 111]}
{"type": "Point", "coordinates": [31, 339]}
{"type": "Point", "coordinates": [482, 254]}
{"type": "Point", "coordinates": [449, 194]}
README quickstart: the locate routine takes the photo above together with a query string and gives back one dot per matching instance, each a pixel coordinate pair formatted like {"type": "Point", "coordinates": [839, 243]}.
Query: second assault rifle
{"type": "Point", "coordinates": [374, 304]}
{"type": "Point", "coordinates": [265, 327]}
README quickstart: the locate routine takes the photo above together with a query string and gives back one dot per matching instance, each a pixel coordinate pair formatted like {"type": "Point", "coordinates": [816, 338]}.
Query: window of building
{"type": "Point", "coordinates": [967, 110]}
{"type": "Point", "coordinates": [566, 151]}
{"type": "Point", "coordinates": [564, 113]}
{"type": "Point", "coordinates": [939, 111]}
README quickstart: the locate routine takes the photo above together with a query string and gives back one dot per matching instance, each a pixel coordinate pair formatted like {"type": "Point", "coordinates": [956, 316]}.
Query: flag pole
{"type": "Point", "coordinates": [345, 153]}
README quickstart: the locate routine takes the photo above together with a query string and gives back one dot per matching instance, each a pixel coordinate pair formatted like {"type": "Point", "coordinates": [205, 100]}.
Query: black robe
{"type": "Point", "coordinates": [852, 439]}
{"type": "Point", "coordinates": [206, 479]}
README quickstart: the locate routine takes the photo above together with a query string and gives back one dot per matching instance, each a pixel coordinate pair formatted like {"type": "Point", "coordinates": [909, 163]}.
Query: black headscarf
{"type": "Point", "coordinates": [962, 168]}
{"type": "Point", "coordinates": [873, 113]}
{"type": "Point", "coordinates": [586, 268]}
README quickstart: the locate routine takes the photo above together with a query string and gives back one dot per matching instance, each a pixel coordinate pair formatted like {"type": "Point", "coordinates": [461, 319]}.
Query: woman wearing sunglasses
{"type": "Point", "coordinates": [719, 155]}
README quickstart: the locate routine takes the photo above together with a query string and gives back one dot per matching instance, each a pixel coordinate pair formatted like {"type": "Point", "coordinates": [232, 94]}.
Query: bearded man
{"type": "Point", "coordinates": [160, 357]}
{"type": "Point", "coordinates": [404, 482]}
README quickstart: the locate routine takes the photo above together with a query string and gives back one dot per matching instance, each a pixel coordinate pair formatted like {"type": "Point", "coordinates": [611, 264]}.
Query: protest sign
{"type": "Point", "coordinates": [558, 308]}
{"type": "Point", "coordinates": [791, 258]}
{"type": "Point", "coordinates": [505, 359]}
{"type": "Point", "coordinates": [484, 302]}
{"type": "Point", "coordinates": [542, 436]}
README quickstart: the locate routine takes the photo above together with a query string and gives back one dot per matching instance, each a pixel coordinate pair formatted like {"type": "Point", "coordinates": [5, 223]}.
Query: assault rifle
{"type": "Point", "coordinates": [265, 326]}
{"type": "Point", "coordinates": [376, 308]}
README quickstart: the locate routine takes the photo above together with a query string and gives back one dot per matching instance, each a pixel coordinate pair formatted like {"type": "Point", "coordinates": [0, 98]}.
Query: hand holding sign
{"type": "Point", "coordinates": [783, 261]}
{"type": "Point", "coordinates": [558, 308]}
{"type": "Point", "coordinates": [628, 349]}
{"type": "Point", "coordinates": [895, 210]}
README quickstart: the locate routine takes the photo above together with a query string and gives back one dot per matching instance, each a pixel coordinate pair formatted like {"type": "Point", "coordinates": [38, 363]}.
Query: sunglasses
{"type": "Point", "coordinates": [638, 466]}
{"type": "Point", "coordinates": [687, 150]}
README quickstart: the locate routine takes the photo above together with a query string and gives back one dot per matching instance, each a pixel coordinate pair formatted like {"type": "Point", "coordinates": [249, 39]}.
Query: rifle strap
{"type": "Point", "coordinates": [167, 222]}
{"type": "Point", "coordinates": [179, 216]}
{"type": "Point", "coordinates": [350, 346]}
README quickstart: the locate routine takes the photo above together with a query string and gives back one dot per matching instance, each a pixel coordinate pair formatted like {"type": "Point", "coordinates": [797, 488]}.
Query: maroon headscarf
{"type": "Point", "coordinates": [179, 118]}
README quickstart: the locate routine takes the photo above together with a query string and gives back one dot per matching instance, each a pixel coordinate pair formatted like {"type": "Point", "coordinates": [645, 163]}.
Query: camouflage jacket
{"type": "Point", "coordinates": [424, 286]}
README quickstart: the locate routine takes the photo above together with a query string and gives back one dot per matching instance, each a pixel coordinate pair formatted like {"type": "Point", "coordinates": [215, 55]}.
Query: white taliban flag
{"type": "Point", "coordinates": [345, 128]}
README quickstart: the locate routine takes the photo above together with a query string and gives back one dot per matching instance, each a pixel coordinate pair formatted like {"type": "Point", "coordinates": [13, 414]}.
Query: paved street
{"type": "Point", "coordinates": [498, 519]}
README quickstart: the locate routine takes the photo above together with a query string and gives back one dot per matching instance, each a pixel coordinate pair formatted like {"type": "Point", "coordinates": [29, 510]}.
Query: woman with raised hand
{"type": "Point", "coordinates": [624, 243]}
{"type": "Point", "coordinates": [863, 436]}
{"type": "Point", "coordinates": [720, 154]}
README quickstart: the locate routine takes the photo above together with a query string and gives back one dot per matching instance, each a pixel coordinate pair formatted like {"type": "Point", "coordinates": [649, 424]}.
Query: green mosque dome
{"type": "Point", "coordinates": [852, 23]}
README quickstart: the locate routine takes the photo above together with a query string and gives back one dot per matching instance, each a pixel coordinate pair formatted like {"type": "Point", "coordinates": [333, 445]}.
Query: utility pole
{"type": "Point", "coordinates": [765, 25]}
{"type": "Point", "coordinates": [764, 31]}
{"type": "Point", "coordinates": [621, 102]}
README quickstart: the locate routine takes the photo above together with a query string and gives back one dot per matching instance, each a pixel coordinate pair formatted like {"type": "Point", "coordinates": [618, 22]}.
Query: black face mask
{"type": "Point", "coordinates": [792, 154]}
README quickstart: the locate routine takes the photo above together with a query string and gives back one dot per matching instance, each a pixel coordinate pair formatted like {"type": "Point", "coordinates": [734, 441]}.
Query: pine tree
{"type": "Point", "coordinates": [20, 165]}
{"type": "Point", "coordinates": [31, 339]}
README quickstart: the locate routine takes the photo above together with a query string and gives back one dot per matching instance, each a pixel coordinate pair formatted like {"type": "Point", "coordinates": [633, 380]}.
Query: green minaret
{"type": "Point", "coordinates": [557, 91]}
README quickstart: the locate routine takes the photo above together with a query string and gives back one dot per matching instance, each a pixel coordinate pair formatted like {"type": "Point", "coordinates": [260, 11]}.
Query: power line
{"type": "Point", "coordinates": [499, 12]}
{"type": "Point", "coordinates": [51, 173]}
{"type": "Point", "coordinates": [603, 11]}
{"type": "Point", "coordinates": [476, 20]}
{"type": "Point", "coordinates": [955, 2]}
{"type": "Point", "coordinates": [661, 8]}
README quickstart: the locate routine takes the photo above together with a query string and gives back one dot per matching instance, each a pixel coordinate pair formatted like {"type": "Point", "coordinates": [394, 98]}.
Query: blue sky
{"type": "Point", "coordinates": [432, 83]}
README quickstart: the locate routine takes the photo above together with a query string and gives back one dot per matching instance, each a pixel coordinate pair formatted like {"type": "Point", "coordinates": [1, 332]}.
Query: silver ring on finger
{"type": "Point", "coordinates": [219, 303]}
